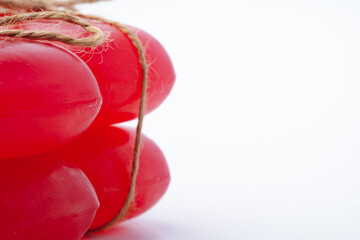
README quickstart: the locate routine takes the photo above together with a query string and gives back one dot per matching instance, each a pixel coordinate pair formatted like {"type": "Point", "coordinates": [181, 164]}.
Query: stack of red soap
{"type": "Point", "coordinates": [63, 168]}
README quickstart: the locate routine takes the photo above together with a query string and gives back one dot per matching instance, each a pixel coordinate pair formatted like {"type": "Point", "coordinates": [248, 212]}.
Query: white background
{"type": "Point", "coordinates": [262, 128]}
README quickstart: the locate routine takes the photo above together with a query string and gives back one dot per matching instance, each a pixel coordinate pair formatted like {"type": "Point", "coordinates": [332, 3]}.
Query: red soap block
{"type": "Point", "coordinates": [117, 69]}
{"type": "Point", "coordinates": [42, 198]}
{"type": "Point", "coordinates": [48, 97]}
{"type": "Point", "coordinates": [105, 156]}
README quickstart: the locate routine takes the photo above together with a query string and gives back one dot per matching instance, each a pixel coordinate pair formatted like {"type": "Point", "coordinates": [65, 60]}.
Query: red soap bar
{"type": "Point", "coordinates": [117, 69]}
{"type": "Point", "coordinates": [48, 96]}
{"type": "Point", "coordinates": [42, 198]}
{"type": "Point", "coordinates": [105, 156]}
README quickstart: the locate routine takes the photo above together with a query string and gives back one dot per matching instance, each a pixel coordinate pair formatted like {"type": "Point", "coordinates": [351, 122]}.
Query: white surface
{"type": "Point", "coordinates": [262, 129]}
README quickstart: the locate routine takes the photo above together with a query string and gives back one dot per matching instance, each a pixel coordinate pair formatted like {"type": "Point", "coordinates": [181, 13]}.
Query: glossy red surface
{"type": "Point", "coordinates": [116, 67]}
{"type": "Point", "coordinates": [105, 154]}
{"type": "Point", "coordinates": [48, 96]}
{"type": "Point", "coordinates": [42, 198]}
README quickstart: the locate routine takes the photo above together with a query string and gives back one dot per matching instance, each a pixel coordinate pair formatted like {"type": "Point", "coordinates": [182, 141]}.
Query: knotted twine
{"type": "Point", "coordinates": [50, 9]}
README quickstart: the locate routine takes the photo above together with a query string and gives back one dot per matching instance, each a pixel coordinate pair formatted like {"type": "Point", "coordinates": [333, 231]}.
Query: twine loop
{"type": "Point", "coordinates": [95, 39]}
{"type": "Point", "coordinates": [43, 5]}
{"type": "Point", "coordinates": [34, 5]}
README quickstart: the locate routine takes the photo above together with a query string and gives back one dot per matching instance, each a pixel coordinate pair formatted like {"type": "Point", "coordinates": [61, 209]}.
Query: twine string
{"type": "Point", "coordinates": [73, 17]}
{"type": "Point", "coordinates": [142, 108]}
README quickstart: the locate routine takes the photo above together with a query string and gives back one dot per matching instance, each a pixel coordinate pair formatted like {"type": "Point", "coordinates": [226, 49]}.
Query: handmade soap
{"type": "Point", "coordinates": [42, 198]}
{"type": "Point", "coordinates": [105, 155]}
{"type": "Point", "coordinates": [48, 97]}
{"type": "Point", "coordinates": [117, 69]}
